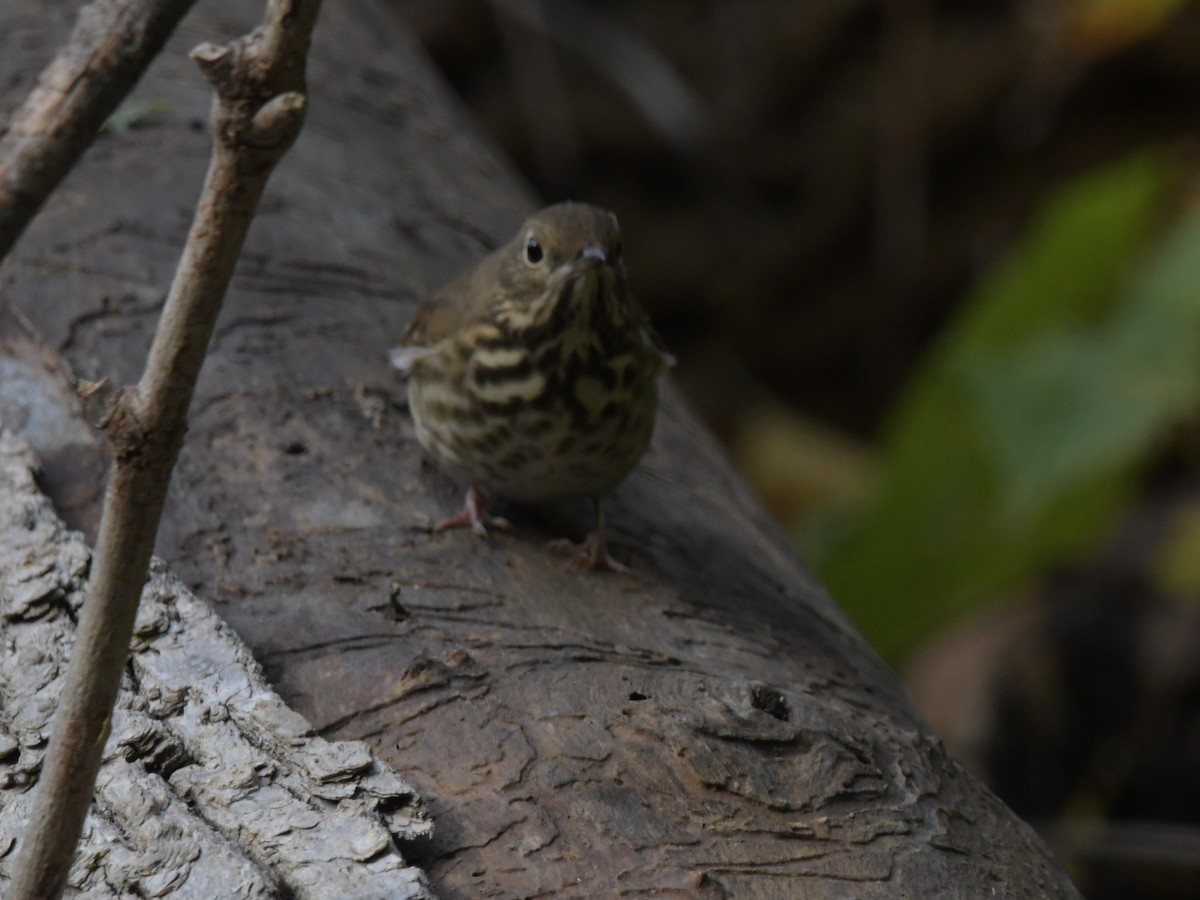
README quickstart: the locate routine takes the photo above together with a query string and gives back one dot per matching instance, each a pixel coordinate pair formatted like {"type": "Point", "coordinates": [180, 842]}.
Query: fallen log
{"type": "Point", "coordinates": [712, 726]}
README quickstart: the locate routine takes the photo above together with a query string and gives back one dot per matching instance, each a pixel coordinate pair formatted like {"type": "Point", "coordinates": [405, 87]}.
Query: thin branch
{"type": "Point", "coordinates": [663, 98]}
{"type": "Point", "coordinates": [112, 43]}
{"type": "Point", "coordinates": [1113, 840]}
{"type": "Point", "coordinates": [259, 80]}
{"type": "Point", "coordinates": [540, 89]}
{"type": "Point", "coordinates": [902, 163]}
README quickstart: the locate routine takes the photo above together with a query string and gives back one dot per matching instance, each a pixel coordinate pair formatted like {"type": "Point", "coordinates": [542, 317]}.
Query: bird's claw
{"type": "Point", "coordinates": [474, 515]}
{"type": "Point", "coordinates": [590, 553]}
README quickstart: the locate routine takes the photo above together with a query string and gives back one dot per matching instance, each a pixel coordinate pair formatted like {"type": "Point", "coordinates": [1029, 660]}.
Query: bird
{"type": "Point", "coordinates": [533, 375]}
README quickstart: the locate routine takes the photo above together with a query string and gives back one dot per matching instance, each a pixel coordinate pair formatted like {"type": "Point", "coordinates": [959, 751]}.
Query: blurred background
{"type": "Point", "coordinates": [932, 272]}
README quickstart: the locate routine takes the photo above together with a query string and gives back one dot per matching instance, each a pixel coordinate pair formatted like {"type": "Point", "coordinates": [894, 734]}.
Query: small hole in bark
{"type": "Point", "coordinates": [399, 610]}
{"type": "Point", "coordinates": [769, 701]}
{"type": "Point", "coordinates": [636, 695]}
{"type": "Point", "coordinates": [296, 448]}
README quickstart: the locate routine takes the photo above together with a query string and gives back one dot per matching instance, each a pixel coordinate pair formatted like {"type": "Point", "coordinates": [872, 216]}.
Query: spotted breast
{"type": "Point", "coordinates": [534, 375]}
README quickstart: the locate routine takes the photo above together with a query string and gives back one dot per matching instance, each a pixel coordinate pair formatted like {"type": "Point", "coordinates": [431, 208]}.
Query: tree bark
{"type": "Point", "coordinates": [712, 726]}
{"type": "Point", "coordinates": [210, 786]}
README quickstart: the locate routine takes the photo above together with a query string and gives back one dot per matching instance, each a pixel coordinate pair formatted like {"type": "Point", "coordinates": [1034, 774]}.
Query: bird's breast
{"type": "Point", "coordinates": [538, 416]}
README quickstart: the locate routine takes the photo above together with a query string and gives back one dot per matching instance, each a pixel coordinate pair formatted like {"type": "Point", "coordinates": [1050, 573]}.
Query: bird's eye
{"type": "Point", "coordinates": [533, 252]}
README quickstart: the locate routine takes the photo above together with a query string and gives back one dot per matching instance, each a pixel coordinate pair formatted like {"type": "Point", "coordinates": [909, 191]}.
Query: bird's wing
{"type": "Point", "coordinates": [651, 336]}
{"type": "Point", "coordinates": [403, 358]}
{"type": "Point", "coordinates": [460, 303]}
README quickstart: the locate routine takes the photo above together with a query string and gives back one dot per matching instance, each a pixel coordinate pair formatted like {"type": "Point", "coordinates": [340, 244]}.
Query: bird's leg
{"type": "Point", "coordinates": [592, 552]}
{"type": "Point", "coordinates": [474, 514]}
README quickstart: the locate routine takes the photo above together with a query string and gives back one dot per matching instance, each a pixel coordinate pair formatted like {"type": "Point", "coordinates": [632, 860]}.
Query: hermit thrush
{"type": "Point", "coordinates": [533, 375]}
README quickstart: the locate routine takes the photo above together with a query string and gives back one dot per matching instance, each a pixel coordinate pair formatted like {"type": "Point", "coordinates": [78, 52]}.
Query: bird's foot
{"type": "Point", "coordinates": [474, 515]}
{"type": "Point", "coordinates": [590, 553]}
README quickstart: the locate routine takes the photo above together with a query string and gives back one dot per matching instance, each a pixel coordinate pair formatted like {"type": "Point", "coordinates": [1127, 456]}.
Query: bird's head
{"type": "Point", "coordinates": [565, 262]}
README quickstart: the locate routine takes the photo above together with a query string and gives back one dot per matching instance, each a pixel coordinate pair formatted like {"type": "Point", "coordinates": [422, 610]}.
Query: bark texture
{"type": "Point", "coordinates": [712, 726]}
{"type": "Point", "coordinates": [210, 785]}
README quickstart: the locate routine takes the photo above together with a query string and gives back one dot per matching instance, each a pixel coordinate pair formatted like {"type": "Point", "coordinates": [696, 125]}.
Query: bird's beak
{"type": "Point", "coordinates": [593, 253]}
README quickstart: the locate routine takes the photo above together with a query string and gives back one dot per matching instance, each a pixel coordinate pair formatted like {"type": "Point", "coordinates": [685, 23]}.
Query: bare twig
{"type": "Point", "coordinates": [259, 80]}
{"type": "Point", "coordinates": [112, 43]}
{"type": "Point", "coordinates": [540, 89]}
{"type": "Point", "coordinates": [664, 99]}
{"type": "Point", "coordinates": [1115, 840]}
{"type": "Point", "coordinates": [901, 174]}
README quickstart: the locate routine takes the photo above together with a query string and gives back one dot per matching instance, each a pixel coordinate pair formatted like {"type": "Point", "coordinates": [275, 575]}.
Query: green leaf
{"type": "Point", "coordinates": [1018, 441]}
{"type": "Point", "coordinates": [1176, 571]}
{"type": "Point", "coordinates": [134, 115]}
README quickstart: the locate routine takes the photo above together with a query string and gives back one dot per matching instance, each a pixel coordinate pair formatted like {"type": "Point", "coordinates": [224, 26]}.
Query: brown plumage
{"type": "Point", "coordinates": [533, 375]}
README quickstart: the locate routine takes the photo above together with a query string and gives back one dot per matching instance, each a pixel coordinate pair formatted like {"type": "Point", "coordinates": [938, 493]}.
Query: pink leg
{"type": "Point", "coordinates": [474, 514]}
{"type": "Point", "coordinates": [592, 552]}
